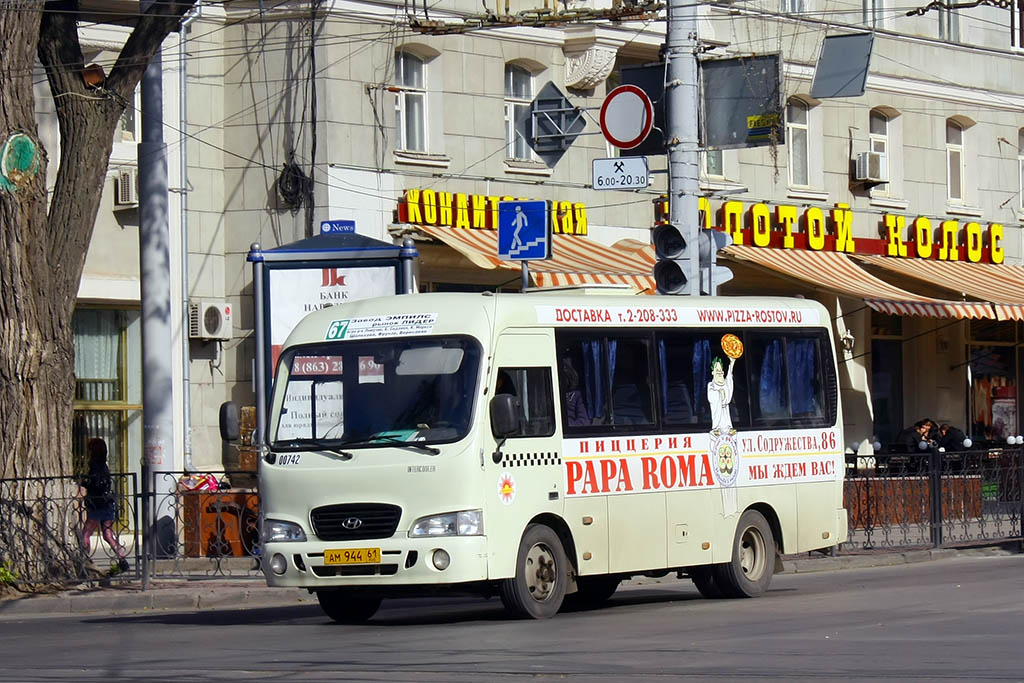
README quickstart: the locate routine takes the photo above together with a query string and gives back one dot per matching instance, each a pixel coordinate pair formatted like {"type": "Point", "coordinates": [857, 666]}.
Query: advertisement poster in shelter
{"type": "Point", "coordinates": [295, 293]}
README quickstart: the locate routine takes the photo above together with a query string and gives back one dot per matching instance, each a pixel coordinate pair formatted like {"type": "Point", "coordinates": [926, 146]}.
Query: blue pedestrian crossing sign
{"type": "Point", "coordinates": [524, 233]}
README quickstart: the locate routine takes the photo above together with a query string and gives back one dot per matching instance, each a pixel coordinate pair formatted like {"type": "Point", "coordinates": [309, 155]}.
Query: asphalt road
{"type": "Point", "coordinates": [955, 619]}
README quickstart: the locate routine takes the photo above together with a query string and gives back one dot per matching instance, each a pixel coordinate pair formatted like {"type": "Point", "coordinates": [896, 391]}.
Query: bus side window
{"type": "Point", "coordinates": [684, 360]}
{"type": "Point", "coordinates": [786, 376]}
{"type": "Point", "coordinates": [803, 369]}
{"type": "Point", "coordinates": [533, 388]}
{"type": "Point", "coordinates": [582, 381]}
{"type": "Point", "coordinates": [631, 385]}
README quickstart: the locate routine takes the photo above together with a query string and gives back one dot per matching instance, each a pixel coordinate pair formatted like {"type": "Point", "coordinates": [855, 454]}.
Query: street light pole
{"type": "Point", "coordinates": [681, 140]}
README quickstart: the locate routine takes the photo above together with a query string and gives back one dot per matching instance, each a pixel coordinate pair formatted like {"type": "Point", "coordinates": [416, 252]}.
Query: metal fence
{"type": "Point", "coordinates": [934, 499]}
{"type": "Point", "coordinates": [42, 520]}
{"type": "Point", "coordinates": [894, 501]}
{"type": "Point", "coordinates": [203, 532]}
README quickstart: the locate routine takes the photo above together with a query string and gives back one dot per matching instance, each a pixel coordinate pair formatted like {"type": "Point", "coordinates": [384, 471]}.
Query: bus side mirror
{"type": "Point", "coordinates": [229, 422]}
{"type": "Point", "coordinates": [505, 410]}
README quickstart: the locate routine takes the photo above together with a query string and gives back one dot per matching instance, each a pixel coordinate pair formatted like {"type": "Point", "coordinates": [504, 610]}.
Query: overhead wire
{"type": "Point", "coordinates": [391, 30]}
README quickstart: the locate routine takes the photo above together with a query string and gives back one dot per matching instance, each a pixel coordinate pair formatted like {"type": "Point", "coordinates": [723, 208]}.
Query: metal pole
{"type": "Point", "coordinates": [1020, 496]}
{"type": "Point", "coordinates": [681, 115]}
{"type": "Point", "coordinates": [155, 290]}
{"type": "Point", "coordinates": [525, 281]}
{"type": "Point", "coordinates": [407, 258]}
{"type": "Point", "coordinates": [186, 372]}
{"type": "Point", "coordinates": [935, 485]}
{"type": "Point", "coordinates": [259, 372]}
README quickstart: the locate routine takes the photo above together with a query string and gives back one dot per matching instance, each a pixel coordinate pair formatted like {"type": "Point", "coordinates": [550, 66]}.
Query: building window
{"type": "Point", "coordinates": [954, 161]}
{"type": "Point", "coordinates": [713, 164]}
{"type": "Point", "coordinates": [518, 93]}
{"type": "Point", "coordinates": [872, 13]}
{"type": "Point", "coordinates": [1020, 167]}
{"type": "Point", "coordinates": [878, 138]}
{"type": "Point", "coordinates": [108, 390]}
{"type": "Point", "coordinates": [129, 125]}
{"type": "Point", "coordinates": [993, 396]}
{"type": "Point", "coordinates": [410, 103]}
{"type": "Point", "coordinates": [887, 375]}
{"type": "Point", "coordinates": [791, 6]}
{"type": "Point", "coordinates": [949, 25]}
{"type": "Point", "coordinates": [796, 143]}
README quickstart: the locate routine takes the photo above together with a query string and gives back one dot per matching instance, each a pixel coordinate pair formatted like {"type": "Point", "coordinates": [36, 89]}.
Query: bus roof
{"type": "Point", "coordinates": [478, 313]}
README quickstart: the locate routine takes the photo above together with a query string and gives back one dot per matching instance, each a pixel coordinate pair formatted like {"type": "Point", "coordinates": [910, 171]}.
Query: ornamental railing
{"type": "Point", "coordinates": [42, 525]}
{"type": "Point", "coordinates": [208, 526]}
{"type": "Point", "coordinates": [934, 499]}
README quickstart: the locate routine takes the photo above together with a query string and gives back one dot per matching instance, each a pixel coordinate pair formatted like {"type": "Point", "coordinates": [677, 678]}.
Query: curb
{"type": "Point", "coordinates": [106, 601]}
{"type": "Point", "coordinates": [792, 565]}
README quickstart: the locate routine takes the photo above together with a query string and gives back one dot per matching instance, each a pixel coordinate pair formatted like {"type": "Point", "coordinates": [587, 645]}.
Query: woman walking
{"type": "Point", "coordinates": [100, 505]}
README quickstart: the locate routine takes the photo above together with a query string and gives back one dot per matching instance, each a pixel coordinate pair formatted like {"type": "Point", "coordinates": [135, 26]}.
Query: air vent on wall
{"type": "Point", "coordinates": [127, 190]}
{"type": "Point", "coordinates": [871, 167]}
{"type": "Point", "coordinates": [210, 320]}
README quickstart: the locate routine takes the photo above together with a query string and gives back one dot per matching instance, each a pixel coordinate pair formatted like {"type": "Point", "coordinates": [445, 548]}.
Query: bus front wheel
{"type": "Point", "coordinates": [538, 588]}
{"type": "Point", "coordinates": [749, 572]}
{"type": "Point", "coordinates": [345, 607]}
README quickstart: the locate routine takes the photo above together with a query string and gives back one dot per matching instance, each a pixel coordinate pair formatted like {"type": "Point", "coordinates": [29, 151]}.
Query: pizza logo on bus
{"type": "Point", "coordinates": [732, 346]}
{"type": "Point", "coordinates": [724, 446]}
{"type": "Point", "coordinates": [506, 488]}
{"type": "Point", "coordinates": [725, 456]}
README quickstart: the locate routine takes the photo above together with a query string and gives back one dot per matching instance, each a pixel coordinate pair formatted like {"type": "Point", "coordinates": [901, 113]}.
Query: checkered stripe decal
{"type": "Point", "coordinates": [530, 459]}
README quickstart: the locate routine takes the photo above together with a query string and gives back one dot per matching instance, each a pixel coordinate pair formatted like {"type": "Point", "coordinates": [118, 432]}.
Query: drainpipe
{"type": "Point", "coordinates": [186, 351]}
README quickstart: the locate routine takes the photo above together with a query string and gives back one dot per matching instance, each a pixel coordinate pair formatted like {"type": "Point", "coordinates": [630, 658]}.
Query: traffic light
{"type": "Point", "coordinates": [672, 270]}
{"type": "Point", "coordinates": [709, 242]}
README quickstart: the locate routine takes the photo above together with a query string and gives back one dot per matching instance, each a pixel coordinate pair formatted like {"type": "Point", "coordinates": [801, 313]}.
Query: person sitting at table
{"type": "Point", "coordinates": [910, 438]}
{"type": "Point", "coordinates": [951, 438]}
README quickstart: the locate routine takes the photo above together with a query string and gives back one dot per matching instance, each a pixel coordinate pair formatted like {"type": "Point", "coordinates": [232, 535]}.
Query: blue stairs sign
{"type": "Point", "coordinates": [524, 233]}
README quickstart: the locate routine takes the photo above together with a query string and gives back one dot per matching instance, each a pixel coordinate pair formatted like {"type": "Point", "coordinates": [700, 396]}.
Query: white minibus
{"type": "Point", "coordinates": [543, 447]}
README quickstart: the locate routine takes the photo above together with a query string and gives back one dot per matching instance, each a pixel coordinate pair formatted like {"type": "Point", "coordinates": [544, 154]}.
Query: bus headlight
{"type": "Point", "coordinates": [277, 531]}
{"type": "Point", "coordinates": [463, 523]}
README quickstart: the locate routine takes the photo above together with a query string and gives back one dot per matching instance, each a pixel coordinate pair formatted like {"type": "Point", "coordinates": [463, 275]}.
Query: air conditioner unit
{"type": "Point", "coordinates": [127, 193]}
{"type": "Point", "coordinates": [210, 320]}
{"type": "Point", "coordinates": [871, 166]}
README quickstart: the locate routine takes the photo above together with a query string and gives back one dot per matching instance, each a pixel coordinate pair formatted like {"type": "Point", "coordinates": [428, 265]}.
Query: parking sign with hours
{"type": "Point", "coordinates": [626, 173]}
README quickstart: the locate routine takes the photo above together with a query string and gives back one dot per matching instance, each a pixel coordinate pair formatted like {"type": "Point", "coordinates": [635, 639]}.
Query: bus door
{"type": "Point", "coordinates": [527, 473]}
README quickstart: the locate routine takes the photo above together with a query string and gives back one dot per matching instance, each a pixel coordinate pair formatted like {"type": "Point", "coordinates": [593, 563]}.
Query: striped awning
{"type": "Point", "coordinates": [575, 260]}
{"type": "Point", "coordinates": [1001, 285]}
{"type": "Point", "coordinates": [837, 273]}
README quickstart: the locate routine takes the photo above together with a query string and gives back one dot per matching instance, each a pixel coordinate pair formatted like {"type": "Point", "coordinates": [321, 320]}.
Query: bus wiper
{"type": "Point", "coordinates": [394, 441]}
{"type": "Point", "coordinates": [313, 444]}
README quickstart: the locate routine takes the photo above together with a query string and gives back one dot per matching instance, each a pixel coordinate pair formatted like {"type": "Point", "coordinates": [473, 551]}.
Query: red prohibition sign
{"type": "Point", "coordinates": [627, 116]}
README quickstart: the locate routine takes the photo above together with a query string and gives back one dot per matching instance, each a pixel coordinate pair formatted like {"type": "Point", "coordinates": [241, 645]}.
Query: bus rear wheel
{"type": "Point", "coordinates": [538, 587]}
{"type": "Point", "coordinates": [749, 572]}
{"type": "Point", "coordinates": [345, 607]}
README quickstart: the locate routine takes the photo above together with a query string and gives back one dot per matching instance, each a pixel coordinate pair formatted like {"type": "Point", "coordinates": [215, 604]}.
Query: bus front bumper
{"type": "Point", "coordinates": [402, 561]}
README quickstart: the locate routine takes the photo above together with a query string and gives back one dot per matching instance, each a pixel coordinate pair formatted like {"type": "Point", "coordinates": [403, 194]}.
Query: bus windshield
{"type": "Point", "coordinates": [375, 393]}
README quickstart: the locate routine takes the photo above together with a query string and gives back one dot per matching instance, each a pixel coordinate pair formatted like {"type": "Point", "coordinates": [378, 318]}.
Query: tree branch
{"type": "Point", "coordinates": [59, 50]}
{"type": "Point", "coordinates": [153, 26]}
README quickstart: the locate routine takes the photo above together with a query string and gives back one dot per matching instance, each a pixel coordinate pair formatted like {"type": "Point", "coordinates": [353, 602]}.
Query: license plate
{"type": "Point", "coordinates": [352, 556]}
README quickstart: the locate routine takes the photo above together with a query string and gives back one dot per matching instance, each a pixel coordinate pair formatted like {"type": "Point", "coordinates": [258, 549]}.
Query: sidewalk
{"type": "Point", "coordinates": [174, 595]}
{"type": "Point", "coordinates": [234, 593]}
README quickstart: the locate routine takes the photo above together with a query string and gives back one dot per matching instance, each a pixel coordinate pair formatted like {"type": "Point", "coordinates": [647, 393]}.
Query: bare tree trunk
{"type": "Point", "coordinates": [42, 255]}
{"type": "Point", "coordinates": [35, 339]}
